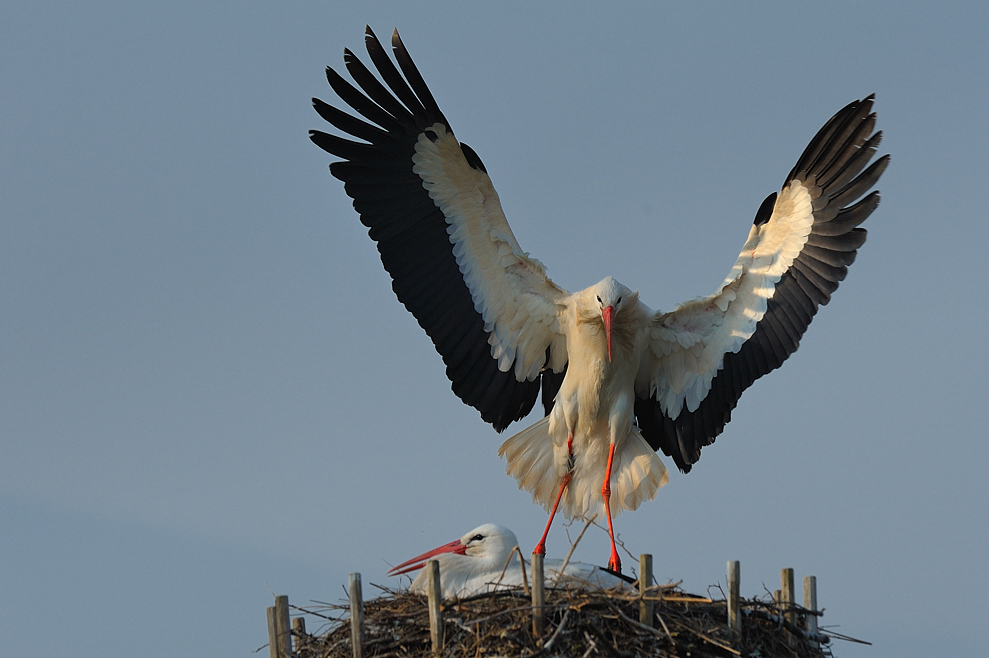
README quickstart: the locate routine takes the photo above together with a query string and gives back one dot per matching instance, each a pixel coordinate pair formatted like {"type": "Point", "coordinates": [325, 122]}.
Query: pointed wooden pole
{"type": "Point", "coordinates": [788, 598]}
{"type": "Point", "coordinates": [272, 634]}
{"type": "Point", "coordinates": [356, 616]}
{"type": "Point", "coordinates": [788, 601]}
{"type": "Point", "coordinates": [282, 627]}
{"type": "Point", "coordinates": [645, 582]}
{"type": "Point", "coordinates": [810, 602]}
{"type": "Point", "coordinates": [299, 632]}
{"type": "Point", "coordinates": [538, 596]}
{"type": "Point", "coordinates": [436, 630]}
{"type": "Point", "coordinates": [734, 607]}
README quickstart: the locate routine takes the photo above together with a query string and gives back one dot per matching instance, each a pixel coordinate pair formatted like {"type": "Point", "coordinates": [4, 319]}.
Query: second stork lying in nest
{"type": "Point", "coordinates": [619, 380]}
{"type": "Point", "coordinates": [484, 560]}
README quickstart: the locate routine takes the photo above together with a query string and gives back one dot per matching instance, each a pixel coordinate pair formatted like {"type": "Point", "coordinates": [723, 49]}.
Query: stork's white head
{"type": "Point", "coordinates": [611, 298]}
{"type": "Point", "coordinates": [487, 546]}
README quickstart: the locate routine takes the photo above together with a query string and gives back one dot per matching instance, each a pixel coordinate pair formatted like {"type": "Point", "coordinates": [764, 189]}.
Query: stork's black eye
{"type": "Point", "coordinates": [599, 300]}
{"type": "Point", "coordinates": [619, 301]}
{"type": "Point", "coordinates": [477, 537]}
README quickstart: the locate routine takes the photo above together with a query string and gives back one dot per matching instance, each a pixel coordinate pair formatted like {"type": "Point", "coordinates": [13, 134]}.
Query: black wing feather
{"type": "Point", "coordinates": [410, 231]}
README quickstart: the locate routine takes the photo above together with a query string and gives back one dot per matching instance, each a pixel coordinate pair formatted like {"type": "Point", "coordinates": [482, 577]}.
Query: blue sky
{"type": "Point", "coordinates": [208, 389]}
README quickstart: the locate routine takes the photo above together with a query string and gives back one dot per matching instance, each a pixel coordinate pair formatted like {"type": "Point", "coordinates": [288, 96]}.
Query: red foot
{"type": "Point", "coordinates": [540, 548]}
{"type": "Point", "coordinates": [615, 563]}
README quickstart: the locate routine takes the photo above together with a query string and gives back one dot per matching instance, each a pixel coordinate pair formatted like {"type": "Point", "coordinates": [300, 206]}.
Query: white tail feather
{"type": "Point", "coordinates": [533, 462]}
{"type": "Point", "coordinates": [538, 464]}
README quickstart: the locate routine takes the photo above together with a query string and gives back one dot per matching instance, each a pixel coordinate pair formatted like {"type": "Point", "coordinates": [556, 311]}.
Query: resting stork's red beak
{"type": "Point", "coordinates": [607, 314]}
{"type": "Point", "coordinates": [419, 561]}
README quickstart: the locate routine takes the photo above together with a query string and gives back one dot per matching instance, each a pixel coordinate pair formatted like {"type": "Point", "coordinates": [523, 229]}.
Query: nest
{"type": "Point", "coordinates": [577, 623]}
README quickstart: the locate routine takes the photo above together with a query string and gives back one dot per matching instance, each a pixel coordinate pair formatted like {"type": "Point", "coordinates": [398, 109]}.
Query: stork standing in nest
{"type": "Point", "coordinates": [619, 380]}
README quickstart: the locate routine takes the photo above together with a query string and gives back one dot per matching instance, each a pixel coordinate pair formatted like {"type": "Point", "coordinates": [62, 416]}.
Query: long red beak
{"type": "Point", "coordinates": [419, 562]}
{"type": "Point", "coordinates": [607, 314]}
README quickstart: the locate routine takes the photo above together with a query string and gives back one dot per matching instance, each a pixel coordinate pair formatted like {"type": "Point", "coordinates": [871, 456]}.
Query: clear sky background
{"type": "Point", "coordinates": [208, 388]}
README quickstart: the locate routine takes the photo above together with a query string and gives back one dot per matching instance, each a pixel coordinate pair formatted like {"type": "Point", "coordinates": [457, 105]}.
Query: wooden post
{"type": "Point", "coordinates": [788, 598]}
{"type": "Point", "coordinates": [299, 632]}
{"type": "Point", "coordinates": [734, 608]}
{"type": "Point", "coordinates": [538, 596]}
{"type": "Point", "coordinates": [645, 582]}
{"type": "Point", "coordinates": [282, 627]}
{"type": "Point", "coordinates": [356, 616]}
{"type": "Point", "coordinates": [436, 630]}
{"type": "Point", "coordinates": [272, 634]}
{"type": "Point", "coordinates": [810, 602]}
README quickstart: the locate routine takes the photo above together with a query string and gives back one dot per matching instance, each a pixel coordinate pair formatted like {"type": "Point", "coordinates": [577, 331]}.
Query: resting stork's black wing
{"type": "Point", "coordinates": [705, 353]}
{"type": "Point", "coordinates": [437, 221]}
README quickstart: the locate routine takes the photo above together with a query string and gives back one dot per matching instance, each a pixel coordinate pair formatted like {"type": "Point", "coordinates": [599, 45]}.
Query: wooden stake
{"type": "Point", "coordinates": [356, 616]}
{"type": "Point", "coordinates": [645, 582]}
{"type": "Point", "coordinates": [283, 627]}
{"type": "Point", "coordinates": [788, 598]}
{"type": "Point", "coordinates": [810, 602]}
{"type": "Point", "coordinates": [299, 632]}
{"type": "Point", "coordinates": [734, 607]}
{"type": "Point", "coordinates": [538, 596]}
{"type": "Point", "coordinates": [436, 630]}
{"type": "Point", "coordinates": [272, 634]}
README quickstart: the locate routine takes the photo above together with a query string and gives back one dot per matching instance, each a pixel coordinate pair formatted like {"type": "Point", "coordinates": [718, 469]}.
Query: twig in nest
{"type": "Point", "coordinates": [573, 547]}
{"type": "Point", "coordinates": [506, 612]}
{"type": "Point", "coordinates": [306, 611]}
{"type": "Point", "coordinates": [525, 579]}
{"type": "Point", "coordinates": [638, 624]}
{"type": "Point", "coordinates": [511, 554]}
{"type": "Point", "coordinates": [605, 646]}
{"type": "Point", "coordinates": [846, 638]}
{"type": "Point", "coordinates": [592, 645]}
{"type": "Point", "coordinates": [556, 634]}
{"type": "Point", "coordinates": [665, 627]}
{"type": "Point", "coordinates": [618, 542]}
{"type": "Point", "coordinates": [707, 639]}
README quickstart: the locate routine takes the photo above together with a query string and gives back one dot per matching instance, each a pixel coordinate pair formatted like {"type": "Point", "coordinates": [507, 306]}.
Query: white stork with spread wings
{"type": "Point", "coordinates": [618, 379]}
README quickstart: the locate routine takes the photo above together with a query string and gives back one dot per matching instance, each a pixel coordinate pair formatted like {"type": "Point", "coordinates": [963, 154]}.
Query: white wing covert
{"type": "Point", "coordinates": [488, 307]}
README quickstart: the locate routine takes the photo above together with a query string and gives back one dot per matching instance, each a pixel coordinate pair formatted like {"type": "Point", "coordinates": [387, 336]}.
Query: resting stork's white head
{"type": "Point", "coordinates": [483, 549]}
{"type": "Point", "coordinates": [609, 299]}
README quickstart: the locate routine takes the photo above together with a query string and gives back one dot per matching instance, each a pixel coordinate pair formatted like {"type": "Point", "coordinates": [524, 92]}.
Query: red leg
{"type": "Point", "coordinates": [540, 548]}
{"type": "Point", "coordinates": [615, 563]}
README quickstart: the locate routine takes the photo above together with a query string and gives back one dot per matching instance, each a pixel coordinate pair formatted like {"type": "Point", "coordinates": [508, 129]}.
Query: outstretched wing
{"type": "Point", "coordinates": [706, 352]}
{"type": "Point", "coordinates": [430, 206]}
